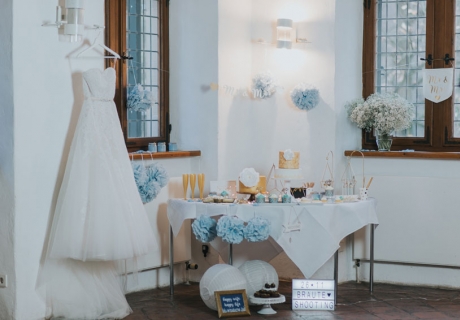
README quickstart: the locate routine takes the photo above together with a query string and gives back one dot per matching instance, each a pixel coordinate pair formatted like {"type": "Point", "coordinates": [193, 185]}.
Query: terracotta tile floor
{"type": "Point", "coordinates": [354, 302]}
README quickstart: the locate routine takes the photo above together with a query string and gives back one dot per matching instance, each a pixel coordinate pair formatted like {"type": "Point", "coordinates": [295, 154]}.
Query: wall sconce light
{"type": "Point", "coordinates": [284, 34]}
{"type": "Point", "coordinates": [72, 20]}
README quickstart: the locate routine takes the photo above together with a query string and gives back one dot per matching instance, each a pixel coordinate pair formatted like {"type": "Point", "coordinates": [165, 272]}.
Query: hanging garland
{"type": "Point", "coordinates": [204, 228]}
{"type": "Point", "coordinates": [305, 96]}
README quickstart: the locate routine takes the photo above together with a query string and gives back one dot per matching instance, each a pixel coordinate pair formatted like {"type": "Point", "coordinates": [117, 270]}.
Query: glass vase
{"type": "Point", "coordinates": [384, 140]}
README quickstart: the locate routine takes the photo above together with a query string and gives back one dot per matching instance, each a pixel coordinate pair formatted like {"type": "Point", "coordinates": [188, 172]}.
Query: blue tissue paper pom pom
{"type": "Point", "coordinates": [149, 191]}
{"type": "Point", "coordinates": [140, 174]}
{"type": "Point", "coordinates": [258, 229]}
{"type": "Point", "coordinates": [158, 173]}
{"type": "Point", "coordinates": [230, 229]}
{"type": "Point", "coordinates": [139, 99]}
{"type": "Point", "coordinates": [305, 96]}
{"type": "Point", "coordinates": [204, 228]}
{"type": "Point", "coordinates": [149, 180]}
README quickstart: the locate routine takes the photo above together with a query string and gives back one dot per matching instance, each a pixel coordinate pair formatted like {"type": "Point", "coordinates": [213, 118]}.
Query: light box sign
{"type": "Point", "coordinates": [313, 294]}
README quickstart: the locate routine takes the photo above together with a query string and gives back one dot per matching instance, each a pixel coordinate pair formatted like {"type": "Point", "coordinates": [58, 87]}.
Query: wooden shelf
{"type": "Point", "coordinates": [407, 155]}
{"type": "Point", "coordinates": [165, 155]}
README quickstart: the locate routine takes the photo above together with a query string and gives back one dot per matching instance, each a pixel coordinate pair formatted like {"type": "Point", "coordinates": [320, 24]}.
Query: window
{"type": "Point", "coordinates": [140, 30]}
{"type": "Point", "coordinates": [396, 35]}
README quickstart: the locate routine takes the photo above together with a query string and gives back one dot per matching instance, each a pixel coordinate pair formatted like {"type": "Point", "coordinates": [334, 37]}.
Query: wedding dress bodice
{"type": "Point", "coordinates": [99, 85]}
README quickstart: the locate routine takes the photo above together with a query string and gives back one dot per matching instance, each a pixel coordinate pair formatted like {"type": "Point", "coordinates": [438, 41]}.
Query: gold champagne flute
{"type": "Point", "coordinates": [201, 184]}
{"type": "Point", "coordinates": [185, 184]}
{"type": "Point", "coordinates": [192, 178]}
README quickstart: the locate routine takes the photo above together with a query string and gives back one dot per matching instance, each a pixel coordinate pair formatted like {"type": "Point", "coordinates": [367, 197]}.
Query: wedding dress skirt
{"type": "Point", "coordinates": [99, 216]}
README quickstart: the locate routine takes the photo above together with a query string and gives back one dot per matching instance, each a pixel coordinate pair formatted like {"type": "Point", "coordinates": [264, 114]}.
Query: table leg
{"type": "Point", "coordinates": [371, 264]}
{"type": "Point", "coordinates": [171, 261]}
{"type": "Point", "coordinates": [336, 274]}
{"type": "Point", "coordinates": [230, 254]}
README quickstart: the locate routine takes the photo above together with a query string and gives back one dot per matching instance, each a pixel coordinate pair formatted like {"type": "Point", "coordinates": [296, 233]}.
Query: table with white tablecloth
{"type": "Point", "coordinates": [322, 227]}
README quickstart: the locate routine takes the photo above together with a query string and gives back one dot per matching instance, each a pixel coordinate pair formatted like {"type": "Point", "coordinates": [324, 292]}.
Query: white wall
{"type": "Point", "coordinates": [7, 203]}
{"type": "Point", "coordinates": [193, 65]}
{"type": "Point", "coordinates": [47, 99]}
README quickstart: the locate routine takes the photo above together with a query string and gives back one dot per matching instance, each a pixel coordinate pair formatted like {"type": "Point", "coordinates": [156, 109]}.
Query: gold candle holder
{"type": "Point", "coordinates": [185, 184]}
{"type": "Point", "coordinates": [192, 178]}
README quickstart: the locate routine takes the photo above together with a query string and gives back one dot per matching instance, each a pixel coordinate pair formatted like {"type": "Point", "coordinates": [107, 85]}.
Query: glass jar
{"type": "Point", "coordinates": [161, 147]}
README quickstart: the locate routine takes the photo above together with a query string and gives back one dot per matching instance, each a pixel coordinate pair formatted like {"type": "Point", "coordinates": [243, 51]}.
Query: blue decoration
{"type": "Point", "coordinates": [204, 228]}
{"type": "Point", "coordinates": [263, 85]}
{"type": "Point", "coordinates": [140, 99]}
{"type": "Point", "coordinates": [231, 229]}
{"type": "Point", "coordinates": [258, 229]}
{"type": "Point", "coordinates": [149, 180]}
{"type": "Point", "coordinates": [158, 173]}
{"type": "Point", "coordinates": [305, 96]}
{"type": "Point", "coordinates": [140, 174]}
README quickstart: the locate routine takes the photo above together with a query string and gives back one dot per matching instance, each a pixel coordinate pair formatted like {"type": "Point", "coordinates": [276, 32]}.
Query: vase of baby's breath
{"type": "Point", "coordinates": [384, 140]}
{"type": "Point", "coordinates": [384, 113]}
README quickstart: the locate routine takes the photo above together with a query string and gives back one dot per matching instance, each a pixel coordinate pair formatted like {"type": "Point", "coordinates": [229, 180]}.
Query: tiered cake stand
{"type": "Point", "coordinates": [266, 303]}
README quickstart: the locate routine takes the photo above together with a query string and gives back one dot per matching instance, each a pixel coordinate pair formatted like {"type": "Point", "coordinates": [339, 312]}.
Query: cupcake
{"type": "Point", "coordinates": [273, 198]}
{"type": "Point", "coordinates": [224, 193]}
{"type": "Point", "coordinates": [260, 198]}
{"type": "Point", "coordinates": [286, 198]}
{"type": "Point", "coordinates": [329, 191]}
{"type": "Point", "coordinates": [208, 200]}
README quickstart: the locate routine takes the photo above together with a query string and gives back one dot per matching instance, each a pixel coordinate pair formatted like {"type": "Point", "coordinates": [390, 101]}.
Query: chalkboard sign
{"type": "Point", "coordinates": [313, 294]}
{"type": "Point", "coordinates": [232, 303]}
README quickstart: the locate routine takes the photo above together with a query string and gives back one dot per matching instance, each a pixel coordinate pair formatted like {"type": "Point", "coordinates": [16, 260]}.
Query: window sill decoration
{"type": "Point", "coordinates": [305, 96]}
{"type": "Point", "coordinates": [383, 112]}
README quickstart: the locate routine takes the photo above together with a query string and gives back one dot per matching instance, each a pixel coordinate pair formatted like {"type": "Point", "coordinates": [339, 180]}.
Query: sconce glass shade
{"type": "Point", "coordinates": [75, 20]}
{"type": "Point", "coordinates": [284, 33]}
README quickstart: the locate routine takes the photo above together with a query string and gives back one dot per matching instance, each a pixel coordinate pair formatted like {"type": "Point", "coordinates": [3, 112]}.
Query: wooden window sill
{"type": "Point", "coordinates": [165, 155]}
{"type": "Point", "coordinates": [407, 155]}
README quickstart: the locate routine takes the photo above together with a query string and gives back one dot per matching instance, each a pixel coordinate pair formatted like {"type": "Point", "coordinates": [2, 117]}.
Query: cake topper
{"type": "Point", "coordinates": [249, 177]}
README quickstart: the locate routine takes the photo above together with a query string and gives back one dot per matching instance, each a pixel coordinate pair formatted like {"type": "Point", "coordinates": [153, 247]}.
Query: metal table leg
{"type": "Point", "coordinates": [230, 254]}
{"type": "Point", "coordinates": [336, 274]}
{"type": "Point", "coordinates": [171, 261]}
{"type": "Point", "coordinates": [371, 265]}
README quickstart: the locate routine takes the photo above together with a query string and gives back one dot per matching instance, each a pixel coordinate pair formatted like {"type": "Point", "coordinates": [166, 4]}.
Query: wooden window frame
{"type": "Point", "coordinates": [115, 38]}
{"type": "Point", "coordinates": [438, 118]}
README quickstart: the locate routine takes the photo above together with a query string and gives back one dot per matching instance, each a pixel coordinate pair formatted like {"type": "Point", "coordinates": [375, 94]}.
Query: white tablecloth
{"type": "Point", "coordinates": [322, 227]}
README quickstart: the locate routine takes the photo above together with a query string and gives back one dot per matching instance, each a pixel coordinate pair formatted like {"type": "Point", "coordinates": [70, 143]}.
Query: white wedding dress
{"type": "Point", "coordinates": [99, 217]}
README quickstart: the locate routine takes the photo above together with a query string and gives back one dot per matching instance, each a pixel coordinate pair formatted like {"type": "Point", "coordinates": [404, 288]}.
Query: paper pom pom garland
{"type": "Point", "coordinates": [231, 229]}
{"type": "Point", "coordinates": [258, 229]}
{"type": "Point", "coordinates": [149, 180]}
{"type": "Point", "coordinates": [204, 228]}
{"type": "Point", "coordinates": [140, 99]}
{"type": "Point", "coordinates": [263, 85]}
{"type": "Point", "coordinates": [305, 96]}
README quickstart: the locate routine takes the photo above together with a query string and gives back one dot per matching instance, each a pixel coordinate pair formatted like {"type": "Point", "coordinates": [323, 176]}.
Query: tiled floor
{"type": "Point", "coordinates": [354, 302]}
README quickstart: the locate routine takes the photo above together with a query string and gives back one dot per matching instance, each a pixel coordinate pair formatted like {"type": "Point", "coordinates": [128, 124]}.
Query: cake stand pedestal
{"type": "Point", "coordinates": [266, 303]}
